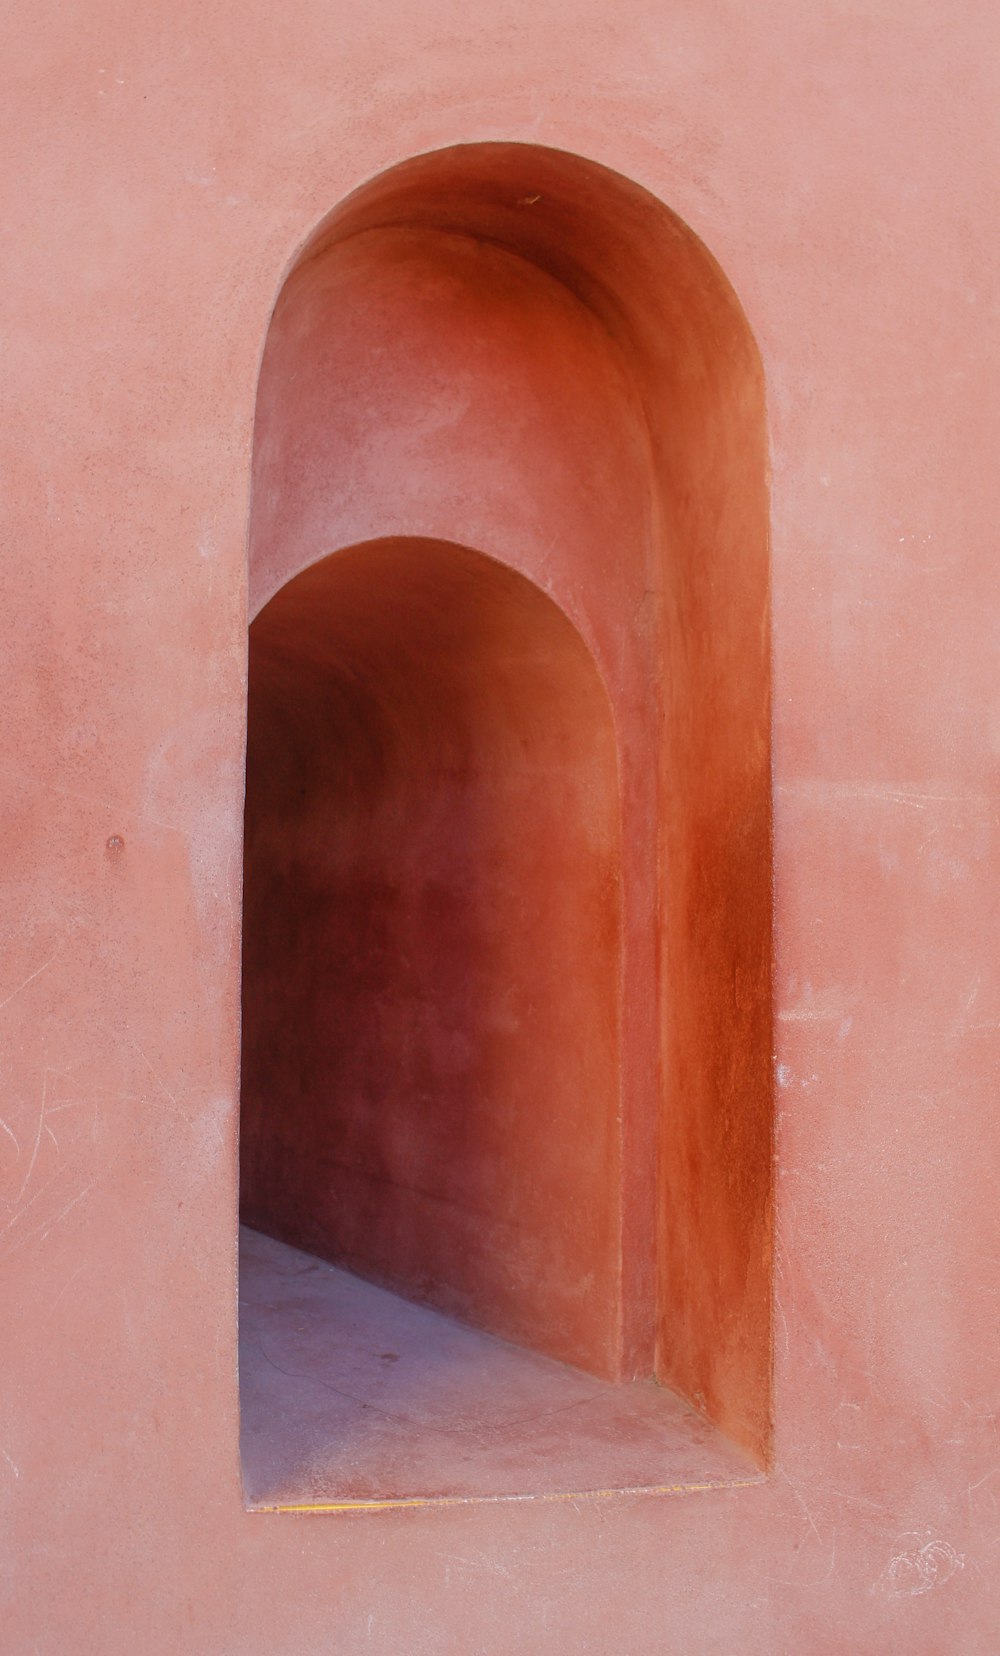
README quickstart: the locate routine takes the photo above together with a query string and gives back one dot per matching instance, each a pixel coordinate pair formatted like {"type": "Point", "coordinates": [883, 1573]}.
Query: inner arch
{"type": "Point", "coordinates": [431, 1071]}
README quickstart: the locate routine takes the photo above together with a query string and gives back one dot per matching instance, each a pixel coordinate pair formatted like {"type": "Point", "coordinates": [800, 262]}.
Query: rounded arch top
{"type": "Point", "coordinates": [651, 397]}
{"type": "Point", "coordinates": [613, 242]}
{"type": "Point", "coordinates": [671, 321]}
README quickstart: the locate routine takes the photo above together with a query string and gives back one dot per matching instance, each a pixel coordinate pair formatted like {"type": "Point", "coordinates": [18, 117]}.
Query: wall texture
{"type": "Point", "coordinates": [163, 167]}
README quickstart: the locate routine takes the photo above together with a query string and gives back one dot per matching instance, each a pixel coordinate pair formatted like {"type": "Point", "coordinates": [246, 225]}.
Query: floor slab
{"type": "Point", "coordinates": [351, 1396]}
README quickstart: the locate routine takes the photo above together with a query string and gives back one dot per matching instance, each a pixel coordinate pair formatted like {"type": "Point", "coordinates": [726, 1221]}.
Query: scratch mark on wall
{"type": "Point", "coordinates": [486, 1565]}
{"type": "Point", "coordinates": [920, 1569]}
{"type": "Point", "coordinates": [802, 1506]}
{"type": "Point", "coordinates": [20, 1212]}
{"type": "Point", "coordinates": [156, 1075]}
{"type": "Point", "coordinates": [882, 793]}
{"type": "Point", "coordinates": [29, 979]}
{"type": "Point", "coordinates": [809, 1014]}
{"type": "Point", "coordinates": [38, 1139]}
{"type": "Point", "coordinates": [67, 1285]}
{"type": "Point", "coordinates": [42, 1230]}
{"type": "Point", "coordinates": [852, 1498]}
{"type": "Point", "coordinates": [988, 1500]}
{"type": "Point", "coordinates": [782, 1581]}
{"type": "Point", "coordinates": [779, 1308]}
{"type": "Point", "coordinates": [846, 1442]}
{"type": "Point", "coordinates": [15, 1469]}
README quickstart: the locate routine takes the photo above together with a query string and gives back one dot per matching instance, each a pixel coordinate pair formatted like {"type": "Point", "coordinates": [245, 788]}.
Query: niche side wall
{"type": "Point", "coordinates": [514, 350]}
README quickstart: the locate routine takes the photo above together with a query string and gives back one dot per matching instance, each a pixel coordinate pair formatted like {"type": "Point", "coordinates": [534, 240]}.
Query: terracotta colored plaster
{"type": "Point", "coordinates": [432, 943]}
{"type": "Point", "coordinates": [519, 351]}
{"type": "Point", "coordinates": [163, 167]}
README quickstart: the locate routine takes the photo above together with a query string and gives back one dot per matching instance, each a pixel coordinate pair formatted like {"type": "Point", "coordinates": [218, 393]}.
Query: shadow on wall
{"type": "Point", "coordinates": [507, 916]}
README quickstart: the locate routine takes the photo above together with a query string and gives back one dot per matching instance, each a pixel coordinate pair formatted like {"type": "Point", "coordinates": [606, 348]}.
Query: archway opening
{"type": "Point", "coordinates": [513, 349]}
{"type": "Point", "coordinates": [432, 943]}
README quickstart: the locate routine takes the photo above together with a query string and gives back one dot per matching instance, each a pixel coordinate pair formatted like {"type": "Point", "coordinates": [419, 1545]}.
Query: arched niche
{"type": "Point", "coordinates": [513, 349]}
{"type": "Point", "coordinates": [432, 942]}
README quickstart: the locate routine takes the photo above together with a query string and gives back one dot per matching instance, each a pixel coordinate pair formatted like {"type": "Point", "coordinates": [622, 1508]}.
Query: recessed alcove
{"type": "Point", "coordinates": [506, 1103]}
{"type": "Point", "coordinates": [432, 943]}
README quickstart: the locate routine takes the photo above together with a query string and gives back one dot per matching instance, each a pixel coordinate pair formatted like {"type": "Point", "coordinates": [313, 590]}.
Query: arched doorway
{"type": "Point", "coordinates": [512, 349]}
{"type": "Point", "coordinates": [432, 943]}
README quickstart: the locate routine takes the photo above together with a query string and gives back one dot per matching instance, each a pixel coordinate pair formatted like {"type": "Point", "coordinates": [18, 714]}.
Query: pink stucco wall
{"type": "Point", "coordinates": [163, 165]}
